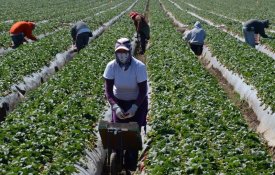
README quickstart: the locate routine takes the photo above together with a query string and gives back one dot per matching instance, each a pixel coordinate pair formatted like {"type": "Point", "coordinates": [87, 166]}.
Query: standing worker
{"type": "Point", "coordinates": [80, 33]}
{"type": "Point", "coordinates": [142, 29]}
{"type": "Point", "coordinates": [126, 90]}
{"type": "Point", "coordinates": [195, 38]}
{"type": "Point", "coordinates": [19, 31]}
{"type": "Point", "coordinates": [252, 29]}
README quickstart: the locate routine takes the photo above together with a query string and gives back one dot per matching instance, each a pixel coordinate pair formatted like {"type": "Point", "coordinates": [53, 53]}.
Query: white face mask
{"type": "Point", "coordinates": [122, 57]}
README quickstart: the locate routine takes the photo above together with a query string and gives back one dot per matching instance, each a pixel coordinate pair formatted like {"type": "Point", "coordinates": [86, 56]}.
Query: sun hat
{"type": "Point", "coordinates": [123, 44]}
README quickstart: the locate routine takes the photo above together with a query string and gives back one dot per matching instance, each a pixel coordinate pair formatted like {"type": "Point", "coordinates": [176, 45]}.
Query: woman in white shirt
{"type": "Point", "coordinates": [126, 88]}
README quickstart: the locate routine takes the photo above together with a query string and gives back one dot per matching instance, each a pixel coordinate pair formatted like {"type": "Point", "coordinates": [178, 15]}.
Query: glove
{"type": "Point", "coordinates": [119, 111]}
{"type": "Point", "coordinates": [131, 112]}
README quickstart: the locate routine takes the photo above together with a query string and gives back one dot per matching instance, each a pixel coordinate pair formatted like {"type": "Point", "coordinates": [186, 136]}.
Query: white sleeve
{"type": "Point", "coordinates": [141, 73]}
{"type": "Point", "coordinates": [109, 71]}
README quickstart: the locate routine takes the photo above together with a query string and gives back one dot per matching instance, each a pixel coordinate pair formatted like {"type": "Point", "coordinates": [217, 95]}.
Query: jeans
{"type": "Point", "coordinates": [143, 40]}
{"type": "Point", "coordinates": [249, 37]}
{"type": "Point", "coordinates": [18, 40]}
{"type": "Point", "coordinates": [131, 159]}
{"type": "Point", "coordinates": [82, 40]}
{"type": "Point", "coordinates": [197, 49]}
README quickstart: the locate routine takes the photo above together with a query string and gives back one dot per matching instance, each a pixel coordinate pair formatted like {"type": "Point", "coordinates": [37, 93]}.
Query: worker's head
{"type": "Point", "coordinates": [197, 24]}
{"type": "Point", "coordinates": [133, 15]}
{"type": "Point", "coordinates": [123, 50]}
{"type": "Point", "coordinates": [32, 24]}
{"type": "Point", "coordinates": [266, 23]}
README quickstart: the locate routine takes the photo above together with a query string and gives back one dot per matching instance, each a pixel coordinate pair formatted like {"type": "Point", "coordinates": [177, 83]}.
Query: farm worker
{"type": "Point", "coordinates": [20, 30]}
{"type": "Point", "coordinates": [142, 29]}
{"type": "Point", "coordinates": [80, 33]}
{"type": "Point", "coordinates": [126, 90]}
{"type": "Point", "coordinates": [195, 38]}
{"type": "Point", "coordinates": [252, 27]}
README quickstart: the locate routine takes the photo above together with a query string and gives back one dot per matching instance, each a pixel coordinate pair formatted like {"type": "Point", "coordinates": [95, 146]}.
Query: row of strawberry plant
{"type": "Point", "coordinates": [255, 67]}
{"type": "Point", "coordinates": [195, 128]}
{"type": "Point", "coordinates": [232, 26]}
{"type": "Point", "coordinates": [83, 13]}
{"type": "Point", "coordinates": [63, 21]}
{"type": "Point", "coordinates": [243, 10]}
{"type": "Point", "coordinates": [28, 59]}
{"type": "Point", "coordinates": [45, 13]}
{"type": "Point", "coordinates": [49, 131]}
{"type": "Point", "coordinates": [43, 10]}
{"type": "Point", "coordinates": [238, 13]}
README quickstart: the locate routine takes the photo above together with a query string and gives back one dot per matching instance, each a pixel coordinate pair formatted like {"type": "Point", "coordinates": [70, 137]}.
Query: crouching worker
{"type": "Point", "coordinates": [126, 90]}
{"type": "Point", "coordinates": [195, 38]}
{"type": "Point", "coordinates": [252, 29]}
{"type": "Point", "coordinates": [20, 31]}
{"type": "Point", "coordinates": [80, 33]}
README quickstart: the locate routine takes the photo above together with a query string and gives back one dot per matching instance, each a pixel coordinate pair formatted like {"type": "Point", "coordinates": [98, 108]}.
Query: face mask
{"type": "Point", "coordinates": [122, 57]}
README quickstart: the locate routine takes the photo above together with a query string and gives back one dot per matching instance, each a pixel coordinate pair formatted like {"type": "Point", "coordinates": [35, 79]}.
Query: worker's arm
{"type": "Point", "coordinates": [29, 35]}
{"type": "Point", "coordinates": [73, 33]}
{"type": "Point", "coordinates": [138, 26]}
{"type": "Point", "coordinates": [262, 32]}
{"type": "Point", "coordinates": [142, 93]}
{"type": "Point", "coordinates": [109, 84]}
{"type": "Point", "coordinates": [91, 34]}
{"type": "Point", "coordinates": [187, 36]}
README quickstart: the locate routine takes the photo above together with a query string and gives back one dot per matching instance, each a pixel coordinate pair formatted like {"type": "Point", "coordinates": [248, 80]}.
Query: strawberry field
{"type": "Point", "coordinates": [195, 125]}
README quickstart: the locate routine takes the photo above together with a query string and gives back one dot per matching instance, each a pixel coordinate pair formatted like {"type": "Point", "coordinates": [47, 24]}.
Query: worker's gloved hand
{"type": "Point", "coordinates": [119, 111]}
{"type": "Point", "coordinates": [131, 112]}
{"type": "Point", "coordinates": [74, 48]}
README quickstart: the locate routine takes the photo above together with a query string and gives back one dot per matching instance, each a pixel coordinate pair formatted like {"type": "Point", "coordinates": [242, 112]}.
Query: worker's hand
{"type": "Point", "coordinates": [131, 112]}
{"type": "Point", "coordinates": [119, 111]}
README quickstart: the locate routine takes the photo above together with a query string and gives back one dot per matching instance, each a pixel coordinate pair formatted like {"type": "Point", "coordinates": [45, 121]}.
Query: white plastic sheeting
{"type": "Point", "coordinates": [11, 100]}
{"type": "Point", "coordinates": [9, 21]}
{"type": "Point", "coordinates": [42, 22]}
{"type": "Point", "coordinates": [93, 160]}
{"type": "Point", "coordinates": [247, 93]}
{"type": "Point", "coordinates": [4, 51]}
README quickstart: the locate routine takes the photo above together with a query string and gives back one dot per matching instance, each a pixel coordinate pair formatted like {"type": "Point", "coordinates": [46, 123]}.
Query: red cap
{"type": "Point", "coordinates": [133, 15]}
